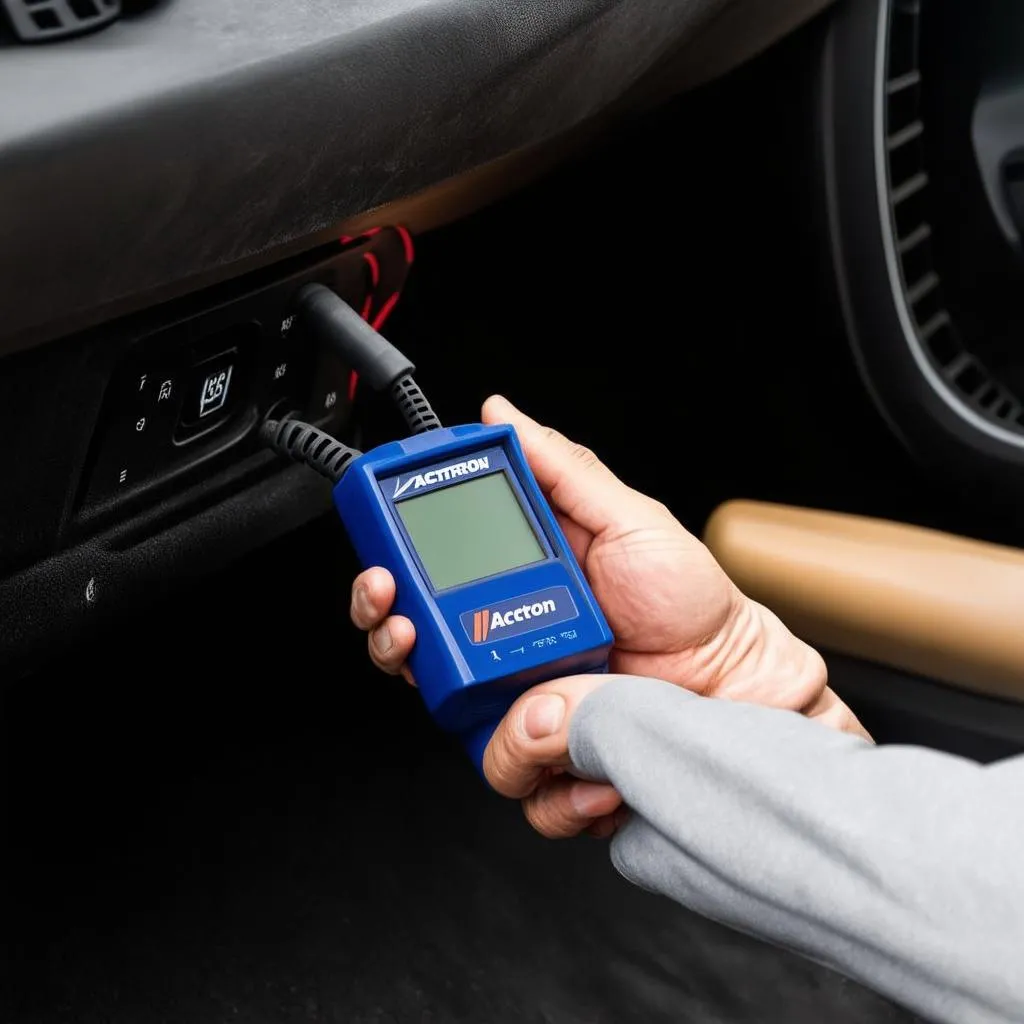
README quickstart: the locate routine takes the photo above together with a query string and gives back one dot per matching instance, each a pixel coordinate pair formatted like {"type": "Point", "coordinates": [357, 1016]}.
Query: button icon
{"type": "Point", "coordinates": [165, 391]}
{"type": "Point", "coordinates": [210, 394]}
{"type": "Point", "coordinates": [331, 399]}
{"type": "Point", "coordinates": [286, 324]}
{"type": "Point", "coordinates": [123, 476]}
{"type": "Point", "coordinates": [215, 391]}
{"type": "Point", "coordinates": [280, 370]}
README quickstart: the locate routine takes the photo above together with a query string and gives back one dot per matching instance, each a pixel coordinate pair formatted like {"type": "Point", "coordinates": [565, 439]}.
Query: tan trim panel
{"type": "Point", "coordinates": [928, 602]}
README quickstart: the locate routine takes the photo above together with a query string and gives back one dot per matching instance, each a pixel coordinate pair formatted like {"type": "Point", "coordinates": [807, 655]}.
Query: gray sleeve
{"type": "Point", "coordinates": [898, 866]}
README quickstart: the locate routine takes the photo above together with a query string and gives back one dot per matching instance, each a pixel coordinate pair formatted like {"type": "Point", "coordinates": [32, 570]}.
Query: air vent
{"type": "Point", "coordinates": [965, 377]}
{"type": "Point", "coordinates": [40, 21]}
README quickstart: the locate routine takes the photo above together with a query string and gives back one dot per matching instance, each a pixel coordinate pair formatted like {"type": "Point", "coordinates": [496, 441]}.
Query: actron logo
{"type": "Point", "coordinates": [481, 626]}
{"type": "Point", "coordinates": [522, 614]}
{"type": "Point", "coordinates": [437, 476]}
{"type": "Point", "coordinates": [485, 621]}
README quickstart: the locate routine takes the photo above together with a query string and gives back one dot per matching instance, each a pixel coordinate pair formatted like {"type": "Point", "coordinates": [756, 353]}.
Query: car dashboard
{"type": "Point", "coordinates": [170, 179]}
{"type": "Point", "coordinates": [741, 249]}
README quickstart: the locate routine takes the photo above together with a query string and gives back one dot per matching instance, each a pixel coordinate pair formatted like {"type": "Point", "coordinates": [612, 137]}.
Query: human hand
{"type": "Point", "coordinates": [527, 759]}
{"type": "Point", "coordinates": [674, 613]}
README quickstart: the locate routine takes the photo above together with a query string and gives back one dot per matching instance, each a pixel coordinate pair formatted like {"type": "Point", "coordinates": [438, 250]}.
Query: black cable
{"type": "Point", "coordinates": [413, 406]}
{"type": "Point", "coordinates": [333, 322]}
{"type": "Point", "coordinates": [302, 442]}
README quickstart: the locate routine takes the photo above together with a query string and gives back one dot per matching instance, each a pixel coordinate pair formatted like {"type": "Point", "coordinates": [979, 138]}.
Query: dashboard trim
{"type": "Point", "coordinates": [942, 390]}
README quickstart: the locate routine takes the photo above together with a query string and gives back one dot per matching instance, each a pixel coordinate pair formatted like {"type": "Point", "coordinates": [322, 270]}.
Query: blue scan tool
{"type": "Point", "coordinates": [482, 569]}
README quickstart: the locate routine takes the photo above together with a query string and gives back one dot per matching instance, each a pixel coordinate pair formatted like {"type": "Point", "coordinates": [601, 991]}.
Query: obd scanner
{"type": "Point", "coordinates": [481, 566]}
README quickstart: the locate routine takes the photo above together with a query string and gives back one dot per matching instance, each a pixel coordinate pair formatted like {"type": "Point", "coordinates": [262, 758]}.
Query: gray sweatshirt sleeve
{"type": "Point", "coordinates": [898, 866]}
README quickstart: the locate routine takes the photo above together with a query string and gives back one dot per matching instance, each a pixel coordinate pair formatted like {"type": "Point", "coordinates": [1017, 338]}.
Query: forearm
{"type": "Point", "coordinates": [898, 866]}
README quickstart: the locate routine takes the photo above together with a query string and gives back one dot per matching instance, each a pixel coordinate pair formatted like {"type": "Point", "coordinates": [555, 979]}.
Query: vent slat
{"type": "Point", "coordinates": [958, 366]}
{"type": "Point", "coordinates": [919, 289]}
{"type": "Point", "coordinates": [901, 82]}
{"type": "Point", "coordinates": [971, 380]}
{"type": "Point", "coordinates": [41, 20]}
{"type": "Point", "coordinates": [937, 322]}
{"type": "Point", "coordinates": [914, 239]}
{"type": "Point", "coordinates": [909, 188]}
{"type": "Point", "coordinates": [910, 205]}
{"type": "Point", "coordinates": [989, 396]}
{"type": "Point", "coordinates": [905, 135]}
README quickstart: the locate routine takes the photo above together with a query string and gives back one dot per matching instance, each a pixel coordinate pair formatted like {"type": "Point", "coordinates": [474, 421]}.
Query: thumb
{"type": "Point", "coordinates": [578, 484]}
{"type": "Point", "coordinates": [533, 737]}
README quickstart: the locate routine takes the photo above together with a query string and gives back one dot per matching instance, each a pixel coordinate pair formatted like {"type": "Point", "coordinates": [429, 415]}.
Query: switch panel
{"type": "Point", "coordinates": [193, 391]}
{"type": "Point", "coordinates": [216, 385]}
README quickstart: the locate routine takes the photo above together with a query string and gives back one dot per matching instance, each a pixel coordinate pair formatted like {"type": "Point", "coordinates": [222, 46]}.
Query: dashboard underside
{"type": "Point", "coordinates": [192, 140]}
{"type": "Point", "coordinates": [167, 181]}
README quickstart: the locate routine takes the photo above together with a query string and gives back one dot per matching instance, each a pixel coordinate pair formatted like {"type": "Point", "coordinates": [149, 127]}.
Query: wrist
{"type": "Point", "coordinates": [756, 658]}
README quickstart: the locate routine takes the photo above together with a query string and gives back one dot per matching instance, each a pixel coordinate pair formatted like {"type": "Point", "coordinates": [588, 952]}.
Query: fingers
{"type": "Point", "coordinates": [391, 643]}
{"type": "Point", "coordinates": [373, 594]}
{"type": "Point", "coordinates": [565, 807]}
{"type": "Point", "coordinates": [604, 828]}
{"type": "Point", "coordinates": [391, 637]}
{"type": "Point", "coordinates": [527, 755]}
{"type": "Point", "coordinates": [578, 483]}
{"type": "Point", "coordinates": [533, 737]}
{"type": "Point", "coordinates": [828, 709]}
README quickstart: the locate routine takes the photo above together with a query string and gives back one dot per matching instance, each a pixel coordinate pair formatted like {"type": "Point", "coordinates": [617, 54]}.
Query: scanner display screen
{"type": "Point", "coordinates": [470, 531]}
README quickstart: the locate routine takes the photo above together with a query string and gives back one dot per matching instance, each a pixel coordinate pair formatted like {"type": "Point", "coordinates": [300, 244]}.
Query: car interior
{"type": "Point", "coordinates": [763, 257]}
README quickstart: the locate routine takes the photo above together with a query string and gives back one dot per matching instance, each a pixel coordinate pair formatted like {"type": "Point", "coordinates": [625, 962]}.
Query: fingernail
{"type": "Point", "coordinates": [504, 408]}
{"type": "Point", "coordinates": [589, 798]}
{"type": "Point", "coordinates": [543, 716]}
{"type": "Point", "coordinates": [361, 599]}
{"type": "Point", "coordinates": [383, 640]}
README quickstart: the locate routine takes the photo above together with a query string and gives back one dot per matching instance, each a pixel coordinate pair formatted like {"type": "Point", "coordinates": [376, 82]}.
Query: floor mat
{"type": "Point", "coordinates": [210, 823]}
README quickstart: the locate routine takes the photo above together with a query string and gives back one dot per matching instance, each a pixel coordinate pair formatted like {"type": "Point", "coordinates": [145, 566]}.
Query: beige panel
{"type": "Point", "coordinates": [932, 603]}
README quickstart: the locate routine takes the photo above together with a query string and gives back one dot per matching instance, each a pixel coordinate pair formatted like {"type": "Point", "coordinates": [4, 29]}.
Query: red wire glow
{"type": "Point", "coordinates": [385, 312]}
{"type": "Point", "coordinates": [386, 309]}
{"type": "Point", "coordinates": [410, 252]}
{"type": "Point", "coordinates": [374, 268]}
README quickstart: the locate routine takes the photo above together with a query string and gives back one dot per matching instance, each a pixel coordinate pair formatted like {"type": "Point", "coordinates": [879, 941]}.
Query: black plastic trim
{"type": "Point", "coordinates": [926, 422]}
{"type": "Point", "coordinates": [43, 21]}
{"type": "Point", "coordinates": [201, 135]}
{"type": "Point", "coordinates": [58, 601]}
{"type": "Point", "coordinates": [900, 708]}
